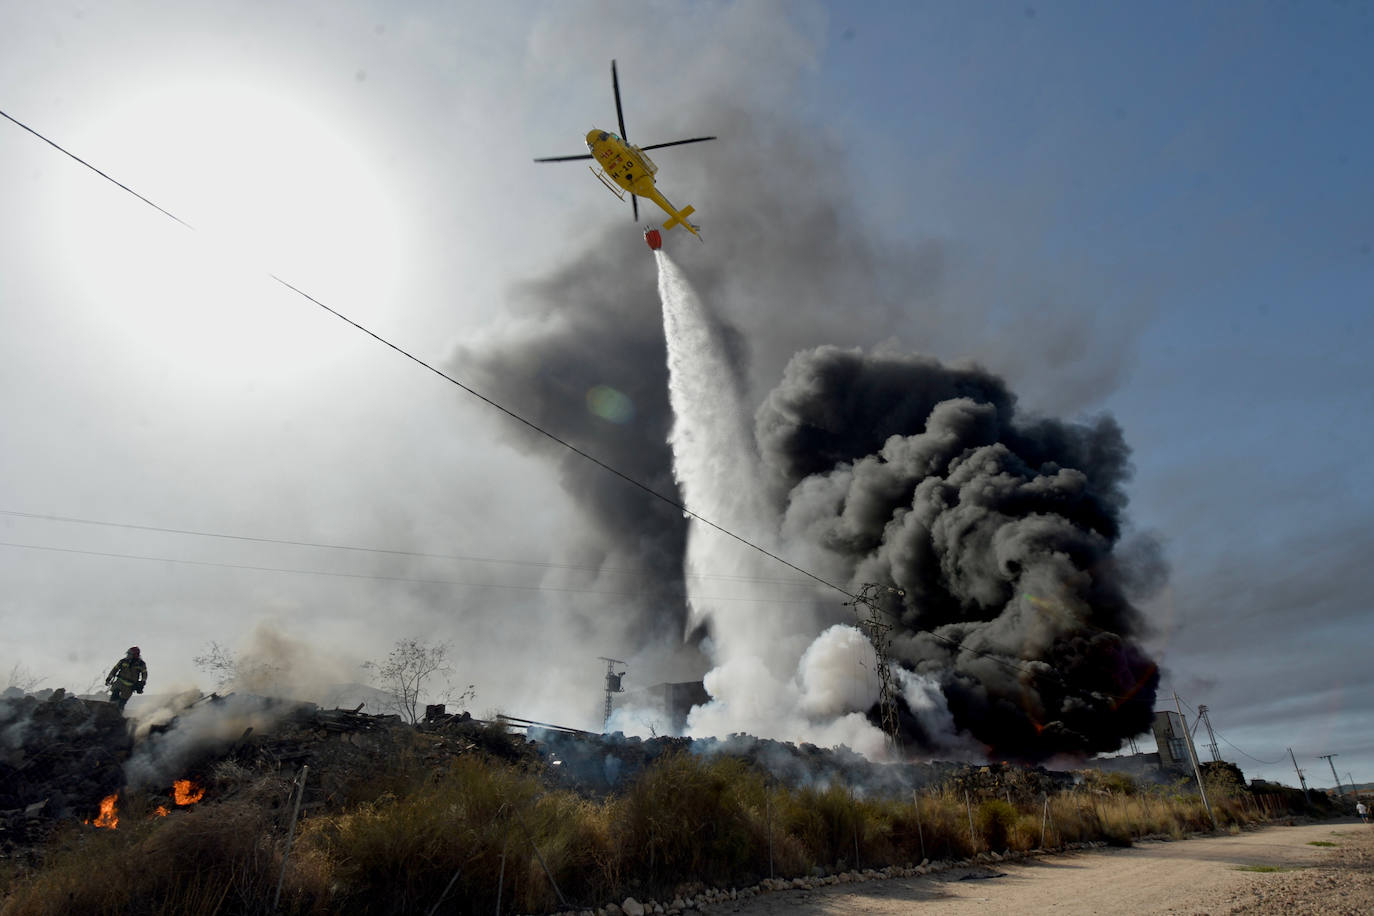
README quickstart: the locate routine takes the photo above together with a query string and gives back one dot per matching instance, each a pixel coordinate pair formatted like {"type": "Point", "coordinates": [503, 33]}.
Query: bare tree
{"type": "Point", "coordinates": [407, 669]}
{"type": "Point", "coordinates": [22, 678]}
{"type": "Point", "coordinates": [95, 686]}
{"type": "Point", "coordinates": [230, 669]}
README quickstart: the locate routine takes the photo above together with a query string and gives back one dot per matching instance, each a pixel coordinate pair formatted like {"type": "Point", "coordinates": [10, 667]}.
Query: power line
{"type": "Point", "coordinates": [547, 433]}
{"type": "Point", "coordinates": [377, 550]}
{"type": "Point", "coordinates": [954, 644]}
{"type": "Point", "coordinates": [467, 388]}
{"type": "Point", "coordinates": [1251, 756]}
{"type": "Point", "coordinates": [1223, 738]}
{"type": "Point", "coordinates": [962, 647]}
{"type": "Point", "coordinates": [114, 181]}
{"type": "Point", "coordinates": [347, 575]}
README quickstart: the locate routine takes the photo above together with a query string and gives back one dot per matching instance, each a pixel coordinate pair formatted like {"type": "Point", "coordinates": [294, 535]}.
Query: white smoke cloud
{"type": "Point", "coordinates": [838, 673]}
{"type": "Point", "coordinates": [196, 727]}
{"type": "Point", "coordinates": [746, 697]}
{"type": "Point", "coordinates": [927, 703]}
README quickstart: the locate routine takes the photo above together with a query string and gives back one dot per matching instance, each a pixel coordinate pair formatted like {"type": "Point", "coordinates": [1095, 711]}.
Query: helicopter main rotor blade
{"type": "Point", "coordinates": [564, 158]}
{"type": "Point", "coordinates": [619, 113]}
{"type": "Point", "coordinates": [678, 142]}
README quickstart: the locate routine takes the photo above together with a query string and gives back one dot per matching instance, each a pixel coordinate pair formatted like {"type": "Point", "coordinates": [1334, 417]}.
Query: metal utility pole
{"type": "Point", "coordinates": [612, 686]}
{"type": "Point", "coordinates": [1202, 714]}
{"type": "Point", "coordinates": [876, 628]}
{"type": "Point", "coordinates": [1192, 755]}
{"type": "Point", "coordinates": [1301, 779]}
{"type": "Point", "coordinates": [1327, 758]}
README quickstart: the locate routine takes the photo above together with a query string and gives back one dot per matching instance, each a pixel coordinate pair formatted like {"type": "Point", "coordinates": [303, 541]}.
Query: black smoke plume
{"type": "Point", "coordinates": [1000, 533]}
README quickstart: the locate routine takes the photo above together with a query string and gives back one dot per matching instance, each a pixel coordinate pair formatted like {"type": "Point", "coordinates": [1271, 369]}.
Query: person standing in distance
{"type": "Point", "coordinates": [127, 677]}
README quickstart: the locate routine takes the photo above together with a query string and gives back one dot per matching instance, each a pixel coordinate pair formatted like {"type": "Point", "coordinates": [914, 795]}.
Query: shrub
{"type": "Point", "coordinates": [684, 819]}
{"type": "Point", "coordinates": [996, 822]}
{"type": "Point", "coordinates": [477, 821]}
{"type": "Point", "coordinates": [826, 822]}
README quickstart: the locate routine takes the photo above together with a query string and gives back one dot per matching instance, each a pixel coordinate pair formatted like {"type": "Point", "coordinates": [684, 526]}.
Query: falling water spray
{"type": "Point", "coordinates": [772, 676]}
{"type": "Point", "coordinates": [715, 467]}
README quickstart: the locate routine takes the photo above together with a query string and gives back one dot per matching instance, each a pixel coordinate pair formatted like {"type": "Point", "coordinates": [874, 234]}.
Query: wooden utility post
{"type": "Point", "coordinates": [1301, 779]}
{"type": "Point", "coordinates": [1192, 755]}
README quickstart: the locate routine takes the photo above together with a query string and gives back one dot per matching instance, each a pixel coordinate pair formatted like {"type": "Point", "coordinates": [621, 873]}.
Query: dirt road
{"type": "Point", "coordinates": [1224, 874]}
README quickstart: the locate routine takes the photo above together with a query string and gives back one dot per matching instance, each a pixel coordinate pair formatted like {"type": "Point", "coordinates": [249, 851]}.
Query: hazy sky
{"type": "Point", "coordinates": [1163, 213]}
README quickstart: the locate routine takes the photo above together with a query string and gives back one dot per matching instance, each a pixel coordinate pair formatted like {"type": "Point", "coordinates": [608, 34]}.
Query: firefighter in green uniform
{"type": "Point", "coordinates": [127, 677]}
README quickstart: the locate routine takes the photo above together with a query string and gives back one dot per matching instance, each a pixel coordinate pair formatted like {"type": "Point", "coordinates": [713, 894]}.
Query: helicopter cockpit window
{"type": "Point", "coordinates": [602, 136]}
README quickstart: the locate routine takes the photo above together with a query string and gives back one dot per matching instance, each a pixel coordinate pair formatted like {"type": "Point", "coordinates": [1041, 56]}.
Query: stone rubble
{"type": "Point", "coordinates": [695, 904]}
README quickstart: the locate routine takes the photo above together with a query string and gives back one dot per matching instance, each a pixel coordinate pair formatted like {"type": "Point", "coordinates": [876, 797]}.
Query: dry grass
{"type": "Point", "coordinates": [206, 860]}
{"type": "Point", "coordinates": [482, 828]}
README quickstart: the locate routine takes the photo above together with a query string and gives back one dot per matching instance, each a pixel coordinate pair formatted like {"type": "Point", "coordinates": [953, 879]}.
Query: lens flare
{"type": "Point", "coordinates": [610, 405]}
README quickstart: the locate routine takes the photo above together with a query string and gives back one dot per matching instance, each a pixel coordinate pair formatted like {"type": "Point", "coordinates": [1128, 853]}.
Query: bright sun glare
{"type": "Point", "coordinates": [271, 186]}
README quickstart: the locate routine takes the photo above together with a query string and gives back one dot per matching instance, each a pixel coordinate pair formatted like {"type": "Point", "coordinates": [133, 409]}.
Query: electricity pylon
{"type": "Point", "coordinates": [612, 686]}
{"type": "Point", "coordinates": [1327, 758]}
{"type": "Point", "coordinates": [876, 627]}
{"type": "Point", "coordinates": [1202, 714]}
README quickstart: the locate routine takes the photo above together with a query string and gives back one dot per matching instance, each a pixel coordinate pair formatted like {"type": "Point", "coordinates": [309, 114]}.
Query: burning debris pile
{"type": "Point", "coordinates": [351, 753]}
{"type": "Point", "coordinates": [64, 758]}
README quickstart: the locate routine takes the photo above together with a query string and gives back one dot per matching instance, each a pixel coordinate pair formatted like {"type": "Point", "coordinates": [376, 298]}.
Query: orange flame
{"type": "Point", "coordinates": [186, 792]}
{"type": "Point", "coordinates": [161, 811]}
{"type": "Point", "coordinates": [109, 817]}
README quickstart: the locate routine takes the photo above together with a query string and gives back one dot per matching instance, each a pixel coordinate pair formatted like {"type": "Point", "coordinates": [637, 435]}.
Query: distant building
{"type": "Point", "coordinates": [1170, 760]}
{"type": "Point", "coordinates": [1171, 737]}
{"type": "Point", "coordinates": [669, 702]}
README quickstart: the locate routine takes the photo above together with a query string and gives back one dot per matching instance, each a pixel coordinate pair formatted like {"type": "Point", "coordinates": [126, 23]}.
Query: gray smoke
{"type": "Point", "coordinates": [191, 729]}
{"type": "Point", "coordinates": [787, 266]}
{"type": "Point", "coordinates": [1001, 534]}
{"type": "Point", "coordinates": [586, 362]}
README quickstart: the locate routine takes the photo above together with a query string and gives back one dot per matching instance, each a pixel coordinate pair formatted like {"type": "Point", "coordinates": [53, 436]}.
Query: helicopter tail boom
{"type": "Point", "coordinates": [680, 218]}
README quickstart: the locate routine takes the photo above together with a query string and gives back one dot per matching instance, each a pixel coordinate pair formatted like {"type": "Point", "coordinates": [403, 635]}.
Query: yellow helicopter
{"type": "Point", "coordinates": [625, 167]}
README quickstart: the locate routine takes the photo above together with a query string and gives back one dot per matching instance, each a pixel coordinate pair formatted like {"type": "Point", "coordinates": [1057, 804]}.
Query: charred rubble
{"type": "Point", "coordinates": [598, 765]}
{"type": "Point", "coordinates": [60, 756]}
